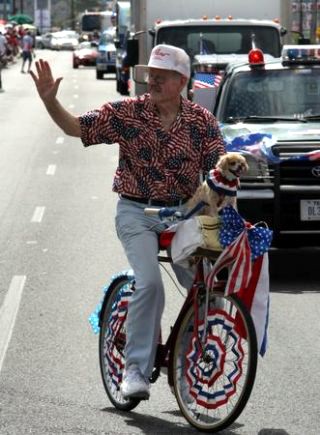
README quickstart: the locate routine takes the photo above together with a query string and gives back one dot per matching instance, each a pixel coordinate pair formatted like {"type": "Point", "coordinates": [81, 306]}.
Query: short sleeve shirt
{"type": "Point", "coordinates": [155, 163]}
{"type": "Point", "coordinates": [27, 43]}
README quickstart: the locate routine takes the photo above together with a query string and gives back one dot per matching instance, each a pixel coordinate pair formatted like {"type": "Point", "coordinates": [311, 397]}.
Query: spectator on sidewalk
{"type": "Point", "coordinates": [27, 51]}
{"type": "Point", "coordinates": [3, 45]}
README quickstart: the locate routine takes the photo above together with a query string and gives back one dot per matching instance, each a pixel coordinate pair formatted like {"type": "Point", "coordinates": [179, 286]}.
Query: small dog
{"type": "Point", "coordinates": [220, 187]}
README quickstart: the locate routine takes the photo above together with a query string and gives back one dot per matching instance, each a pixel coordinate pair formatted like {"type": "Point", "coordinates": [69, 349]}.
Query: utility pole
{"type": "Point", "coordinates": [72, 14]}
{"type": "Point", "coordinates": [286, 18]}
{"type": "Point", "coordinates": [14, 7]}
{"type": "Point", "coordinates": [4, 9]}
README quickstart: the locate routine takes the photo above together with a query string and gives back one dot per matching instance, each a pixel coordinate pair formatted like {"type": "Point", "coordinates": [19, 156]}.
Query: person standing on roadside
{"type": "Point", "coordinates": [2, 56]}
{"type": "Point", "coordinates": [3, 47]}
{"type": "Point", "coordinates": [165, 142]}
{"type": "Point", "coordinates": [27, 50]}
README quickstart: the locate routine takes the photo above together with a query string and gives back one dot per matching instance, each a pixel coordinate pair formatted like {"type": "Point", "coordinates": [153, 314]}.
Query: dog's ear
{"type": "Point", "coordinates": [245, 164]}
{"type": "Point", "coordinates": [223, 162]}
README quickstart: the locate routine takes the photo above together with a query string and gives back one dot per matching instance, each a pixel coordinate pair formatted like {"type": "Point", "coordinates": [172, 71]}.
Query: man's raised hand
{"type": "Point", "coordinates": [46, 85]}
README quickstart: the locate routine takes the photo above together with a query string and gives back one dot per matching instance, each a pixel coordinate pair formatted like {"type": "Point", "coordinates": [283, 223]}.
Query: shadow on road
{"type": "Point", "coordinates": [296, 266]}
{"type": "Point", "coordinates": [150, 425]}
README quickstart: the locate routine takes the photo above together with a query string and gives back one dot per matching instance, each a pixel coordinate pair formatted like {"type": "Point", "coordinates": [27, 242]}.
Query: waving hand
{"type": "Point", "coordinates": [47, 88]}
{"type": "Point", "coordinates": [46, 85]}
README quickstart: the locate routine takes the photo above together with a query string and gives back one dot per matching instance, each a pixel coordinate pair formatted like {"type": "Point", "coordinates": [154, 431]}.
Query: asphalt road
{"type": "Point", "coordinates": [58, 248]}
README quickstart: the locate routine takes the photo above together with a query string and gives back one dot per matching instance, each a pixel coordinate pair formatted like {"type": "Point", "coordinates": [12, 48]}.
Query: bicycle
{"type": "Point", "coordinates": [210, 353]}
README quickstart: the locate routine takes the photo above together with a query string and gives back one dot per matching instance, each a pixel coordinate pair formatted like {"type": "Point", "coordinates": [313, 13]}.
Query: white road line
{"type": "Point", "coordinates": [38, 214]}
{"type": "Point", "coordinates": [8, 313]}
{"type": "Point", "coordinates": [51, 169]}
{"type": "Point", "coordinates": [60, 139]}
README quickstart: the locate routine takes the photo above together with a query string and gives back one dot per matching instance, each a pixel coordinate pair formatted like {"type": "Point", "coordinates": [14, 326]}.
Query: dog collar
{"type": "Point", "coordinates": [217, 182]}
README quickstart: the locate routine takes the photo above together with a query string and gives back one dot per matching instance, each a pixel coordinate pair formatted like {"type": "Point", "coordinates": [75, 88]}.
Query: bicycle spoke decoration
{"type": "Point", "coordinates": [115, 337]}
{"type": "Point", "coordinates": [214, 365]}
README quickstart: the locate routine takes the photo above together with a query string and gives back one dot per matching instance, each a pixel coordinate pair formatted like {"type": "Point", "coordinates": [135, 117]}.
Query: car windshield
{"type": "Point", "coordinates": [65, 36]}
{"type": "Point", "coordinates": [106, 38]}
{"type": "Point", "coordinates": [221, 39]}
{"type": "Point", "coordinates": [282, 93]}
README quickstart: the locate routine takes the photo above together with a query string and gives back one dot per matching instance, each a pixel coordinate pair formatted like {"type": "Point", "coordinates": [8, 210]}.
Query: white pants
{"type": "Point", "coordinates": [139, 238]}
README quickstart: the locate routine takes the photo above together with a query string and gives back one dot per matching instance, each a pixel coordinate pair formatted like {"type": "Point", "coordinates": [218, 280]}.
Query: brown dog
{"type": "Point", "coordinates": [220, 187]}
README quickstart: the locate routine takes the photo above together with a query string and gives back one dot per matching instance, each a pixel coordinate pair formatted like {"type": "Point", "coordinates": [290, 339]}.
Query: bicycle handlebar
{"type": "Point", "coordinates": [163, 213]}
{"type": "Point", "coordinates": [152, 211]}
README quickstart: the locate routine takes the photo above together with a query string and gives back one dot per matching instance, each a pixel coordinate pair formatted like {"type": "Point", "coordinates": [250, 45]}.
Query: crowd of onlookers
{"type": "Point", "coordinates": [11, 43]}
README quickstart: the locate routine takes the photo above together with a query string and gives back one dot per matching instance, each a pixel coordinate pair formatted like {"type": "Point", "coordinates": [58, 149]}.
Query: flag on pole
{"type": "Point", "coordinates": [256, 298]}
{"type": "Point", "coordinates": [206, 80]}
{"type": "Point", "coordinates": [246, 256]}
{"type": "Point", "coordinates": [250, 284]}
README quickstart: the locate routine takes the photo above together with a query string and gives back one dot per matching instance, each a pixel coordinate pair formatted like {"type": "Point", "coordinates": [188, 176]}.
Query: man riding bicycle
{"type": "Point", "coordinates": [165, 142]}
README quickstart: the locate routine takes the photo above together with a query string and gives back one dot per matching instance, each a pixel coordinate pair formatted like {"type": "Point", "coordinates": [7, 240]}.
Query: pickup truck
{"type": "Point", "coordinates": [270, 111]}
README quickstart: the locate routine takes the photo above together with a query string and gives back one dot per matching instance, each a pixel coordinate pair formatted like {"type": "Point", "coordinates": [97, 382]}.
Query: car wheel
{"type": "Point", "coordinates": [75, 64]}
{"type": "Point", "coordinates": [99, 75]}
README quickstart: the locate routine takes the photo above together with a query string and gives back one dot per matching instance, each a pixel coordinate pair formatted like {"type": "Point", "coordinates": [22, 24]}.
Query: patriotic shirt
{"type": "Point", "coordinates": [27, 43]}
{"type": "Point", "coordinates": [154, 163]}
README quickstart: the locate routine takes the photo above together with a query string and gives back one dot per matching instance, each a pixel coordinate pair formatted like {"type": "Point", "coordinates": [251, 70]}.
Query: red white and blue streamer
{"type": "Point", "coordinates": [115, 337]}
{"type": "Point", "coordinates": [261, 146]}
{"type": "Point", "coordinates": [213, 381]}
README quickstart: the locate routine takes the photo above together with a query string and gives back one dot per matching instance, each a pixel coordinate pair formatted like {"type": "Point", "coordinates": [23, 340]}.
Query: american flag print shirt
{"type": "Point", "coordinates": [154, 163]}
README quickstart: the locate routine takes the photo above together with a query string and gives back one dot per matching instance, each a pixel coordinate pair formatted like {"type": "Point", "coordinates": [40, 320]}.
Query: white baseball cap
{"type": "Point", "coordinates": [170, 58]}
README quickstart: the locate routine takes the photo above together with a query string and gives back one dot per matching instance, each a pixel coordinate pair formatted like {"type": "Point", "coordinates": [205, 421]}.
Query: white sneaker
{"type": "Point", "coordinates": [134, 384]}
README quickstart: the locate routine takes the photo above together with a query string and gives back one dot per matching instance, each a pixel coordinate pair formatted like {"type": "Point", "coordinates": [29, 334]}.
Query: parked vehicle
{"type": "Point", "coordinates": [44, 40]}
{"type": "Point", "coordinates": [123, 10]}
{"type": "Point", "coordinates": [85, 55]}
{"type": "Point", "coordinates": [106, 59]}
{"type": "Point", "coordinates": [64, 40]}
{"type": "Point", "coordinates": [270, 110]}
{"type": "Point", "coordinates": [95, 21]}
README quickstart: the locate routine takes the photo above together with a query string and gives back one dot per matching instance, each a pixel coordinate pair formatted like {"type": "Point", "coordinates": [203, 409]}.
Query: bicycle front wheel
{"type": "Point", "coordinates": [112, 341]}
{"type": "Point", "coordinates": [214, 362]}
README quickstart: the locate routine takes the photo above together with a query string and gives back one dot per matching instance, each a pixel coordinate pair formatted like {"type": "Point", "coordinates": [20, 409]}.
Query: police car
{"type": "Point", "coordinates": [270, 111]}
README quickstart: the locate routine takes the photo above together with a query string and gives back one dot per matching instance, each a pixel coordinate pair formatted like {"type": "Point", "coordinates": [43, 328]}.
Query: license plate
{"type": "Point", "coordinates": [310, 209]}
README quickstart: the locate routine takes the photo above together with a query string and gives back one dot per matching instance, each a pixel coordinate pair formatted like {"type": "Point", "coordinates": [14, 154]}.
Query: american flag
{"type": "Point", "coordinates": [237, 257]}
{"type": "Point", "coordinates": [249, 281]}
{"type": "Point", "coordinates": [257, 300]}
{"type": "Point", "coordinates": [206, 80]}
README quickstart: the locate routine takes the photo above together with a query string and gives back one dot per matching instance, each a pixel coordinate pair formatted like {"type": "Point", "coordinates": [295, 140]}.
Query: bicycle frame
{"type": "Point", "coordinates": [164, 351]}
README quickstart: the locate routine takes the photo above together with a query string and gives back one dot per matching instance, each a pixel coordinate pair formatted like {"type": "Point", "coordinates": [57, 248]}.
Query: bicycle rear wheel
{"type": "Point", "coordinates": [214, 366]}
{"type": "Point", "coordinates": [112, 341]}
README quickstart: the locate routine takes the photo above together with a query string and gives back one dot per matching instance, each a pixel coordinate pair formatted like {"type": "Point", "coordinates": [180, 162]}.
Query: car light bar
{"type": "Point", "coordinates": [300, 54]}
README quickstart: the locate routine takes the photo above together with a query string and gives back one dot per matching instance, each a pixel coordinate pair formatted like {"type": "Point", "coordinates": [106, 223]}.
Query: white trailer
{"type": "Point", "coordinates": [145, 13]}
{"type": "Point", "coordinates": [148, 18]}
